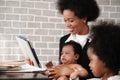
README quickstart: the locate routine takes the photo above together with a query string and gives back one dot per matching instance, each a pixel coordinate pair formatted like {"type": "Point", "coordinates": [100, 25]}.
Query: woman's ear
{"type": "Point", "coordinates": [85, 20]}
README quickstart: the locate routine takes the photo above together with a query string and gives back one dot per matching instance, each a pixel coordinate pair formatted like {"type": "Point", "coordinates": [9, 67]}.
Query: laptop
{"type": "Point", "coordinates": [28, 50]}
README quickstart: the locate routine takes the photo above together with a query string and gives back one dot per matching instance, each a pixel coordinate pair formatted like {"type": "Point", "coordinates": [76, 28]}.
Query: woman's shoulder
{"type": "Point", "coordinates": [65, 37]}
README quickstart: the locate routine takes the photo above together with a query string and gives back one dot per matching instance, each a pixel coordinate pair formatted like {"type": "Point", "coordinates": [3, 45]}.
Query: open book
{"type": "Point", "coordinates": [28, 51]}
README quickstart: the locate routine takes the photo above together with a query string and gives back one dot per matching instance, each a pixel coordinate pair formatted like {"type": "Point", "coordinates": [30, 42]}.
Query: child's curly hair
{"type": "Point", "coordinates": [106, 43]}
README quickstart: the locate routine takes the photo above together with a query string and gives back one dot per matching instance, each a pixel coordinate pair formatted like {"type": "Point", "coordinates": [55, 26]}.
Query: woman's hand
{"type": "Point", "coordinates": [74, 75]}
{"type": "Point", "coordinates": [79, 71]}
{"type": "Point", "coordinates": [60, 70]}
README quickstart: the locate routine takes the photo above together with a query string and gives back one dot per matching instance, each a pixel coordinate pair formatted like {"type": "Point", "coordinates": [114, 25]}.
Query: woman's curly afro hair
{"type": "Point", "coordinates": [82, 8]}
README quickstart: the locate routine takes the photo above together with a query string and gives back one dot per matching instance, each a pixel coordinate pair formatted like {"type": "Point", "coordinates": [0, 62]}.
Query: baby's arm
{"type": "Point", "coordinates": [79, 71]}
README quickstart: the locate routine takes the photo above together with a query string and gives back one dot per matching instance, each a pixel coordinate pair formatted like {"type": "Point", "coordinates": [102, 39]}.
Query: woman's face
{"type": "Point", "coordinates": [74, 23]}
{"type": "Point", "coordinates": [97, 66]}
{"type": "Point", "coordinates": [68, 55]}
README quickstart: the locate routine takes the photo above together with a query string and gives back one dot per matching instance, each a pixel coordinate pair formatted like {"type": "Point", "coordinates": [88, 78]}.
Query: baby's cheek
{"type": "Point", "coordinates": [63, 60]}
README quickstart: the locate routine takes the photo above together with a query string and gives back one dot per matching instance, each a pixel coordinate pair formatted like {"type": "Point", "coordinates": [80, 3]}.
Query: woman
{"type": "Point", "coordinates": [77, 14]}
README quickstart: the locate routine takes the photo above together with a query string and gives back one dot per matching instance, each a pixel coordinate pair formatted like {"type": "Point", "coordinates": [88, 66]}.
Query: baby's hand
{"type": "Point", "coordinates": [49, 64]}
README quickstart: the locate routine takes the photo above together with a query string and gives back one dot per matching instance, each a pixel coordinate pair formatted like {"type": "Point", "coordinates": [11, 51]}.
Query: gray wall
{"type": "Point", "coordinates": [39, 21]}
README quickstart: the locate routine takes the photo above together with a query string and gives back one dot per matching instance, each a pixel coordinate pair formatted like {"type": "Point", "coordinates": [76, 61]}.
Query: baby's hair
{"type": "Point", "coordinates": [76, 46]}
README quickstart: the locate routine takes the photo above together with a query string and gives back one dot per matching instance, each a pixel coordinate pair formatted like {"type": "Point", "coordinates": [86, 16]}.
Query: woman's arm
{"type": "Point", "coordinates": [60, 70]}
{"type": "Point", "coordinates": [79, 71]}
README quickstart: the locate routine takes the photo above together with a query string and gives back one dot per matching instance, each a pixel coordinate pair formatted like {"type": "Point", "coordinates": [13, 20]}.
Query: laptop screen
{"type": "Point", "coordinates": [28, 50]}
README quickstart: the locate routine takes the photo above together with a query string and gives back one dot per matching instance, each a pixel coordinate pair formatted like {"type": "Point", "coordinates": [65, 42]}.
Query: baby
{"type": "Point", "coordinates": [70, 57]}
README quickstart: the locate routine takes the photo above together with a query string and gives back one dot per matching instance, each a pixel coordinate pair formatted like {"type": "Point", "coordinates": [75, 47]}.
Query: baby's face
{"type": "Point", "coordinates": [97, 66]}
{"type": "Point", "coordinates": [68, 55]}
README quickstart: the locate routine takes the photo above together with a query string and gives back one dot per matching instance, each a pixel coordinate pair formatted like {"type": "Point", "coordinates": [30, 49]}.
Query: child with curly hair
{"type": "Point", "coordinates": [104, 51]}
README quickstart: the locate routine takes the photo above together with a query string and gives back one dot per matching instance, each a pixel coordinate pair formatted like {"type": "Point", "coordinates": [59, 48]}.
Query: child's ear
{"type": "Point", "coordinates": [77, 57]}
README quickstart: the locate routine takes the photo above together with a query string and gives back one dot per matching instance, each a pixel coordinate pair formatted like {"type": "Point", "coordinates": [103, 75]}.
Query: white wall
{"type": "Point", "coordinates": [42, 24]}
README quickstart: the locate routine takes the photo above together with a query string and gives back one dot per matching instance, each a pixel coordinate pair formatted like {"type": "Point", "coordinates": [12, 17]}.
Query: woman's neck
{"type": "Point", "coordinates": [85, 30]}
